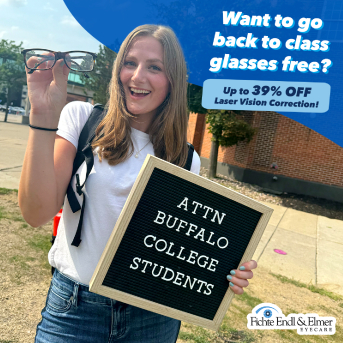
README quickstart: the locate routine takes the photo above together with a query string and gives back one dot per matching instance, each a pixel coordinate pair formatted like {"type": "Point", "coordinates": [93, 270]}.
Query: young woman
{"type": "Point", "coordinates": [146, 114]}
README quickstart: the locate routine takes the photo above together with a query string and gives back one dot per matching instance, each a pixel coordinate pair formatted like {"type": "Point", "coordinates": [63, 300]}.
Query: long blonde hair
{"type": "Point", "coordinates": [168, 130]}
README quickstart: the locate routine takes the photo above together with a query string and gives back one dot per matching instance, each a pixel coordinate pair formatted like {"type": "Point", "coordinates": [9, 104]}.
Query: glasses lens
{"type": "Point", "coordinates": [80, 61]}
{"type": "Point", "coordinates": [39, 59]}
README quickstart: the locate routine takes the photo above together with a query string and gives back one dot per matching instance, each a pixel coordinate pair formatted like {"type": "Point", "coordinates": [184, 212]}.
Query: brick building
{"type": "Point", "coordinates": [304, 161]}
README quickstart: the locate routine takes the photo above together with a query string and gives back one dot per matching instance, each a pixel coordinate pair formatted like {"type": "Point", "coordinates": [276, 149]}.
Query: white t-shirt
{"type": "Point", "coordinates": [106, 191]}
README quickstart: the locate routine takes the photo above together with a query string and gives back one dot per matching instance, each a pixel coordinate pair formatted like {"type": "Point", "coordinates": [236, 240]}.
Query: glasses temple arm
{"type": "Point", "coordinates": [36, 65]}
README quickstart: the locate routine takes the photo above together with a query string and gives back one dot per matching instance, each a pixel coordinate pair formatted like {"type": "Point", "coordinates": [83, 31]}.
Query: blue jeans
{"type": "Point", "coordinates": [73, 315]}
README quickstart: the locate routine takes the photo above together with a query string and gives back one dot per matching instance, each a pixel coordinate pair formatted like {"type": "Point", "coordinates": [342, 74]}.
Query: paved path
{"type": "Point", "coordinates": [13, 139]}
{"type": "Point", "coordinates": [314, 244]}
{"type": "Point", "coordinates": [314, 247]}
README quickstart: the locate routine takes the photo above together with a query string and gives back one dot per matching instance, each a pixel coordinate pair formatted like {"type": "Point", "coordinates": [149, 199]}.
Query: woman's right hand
{"type": "Point", "coordinates": [47, 90]}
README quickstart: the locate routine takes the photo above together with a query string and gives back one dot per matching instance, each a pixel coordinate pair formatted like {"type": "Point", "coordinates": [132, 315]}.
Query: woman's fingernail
{"type": "Point", "coordinates": [62, 63]}
{"type": "Point", "coordinates": [242, 268]}
{"type": "Point", "coordinates": [231, 284]}
{"type": "Point", "coordinates": [229, 277]}
{"type": "Point", "coordinates": [232, 272]}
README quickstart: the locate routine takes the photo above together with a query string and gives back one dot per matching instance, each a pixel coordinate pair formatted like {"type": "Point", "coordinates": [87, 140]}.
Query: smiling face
{"type": "Point", "coordinates": [144, 78]}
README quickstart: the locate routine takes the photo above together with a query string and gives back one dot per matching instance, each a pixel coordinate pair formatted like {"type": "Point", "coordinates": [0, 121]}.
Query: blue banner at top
{"type": "Point", "coordinates": [295, 41]}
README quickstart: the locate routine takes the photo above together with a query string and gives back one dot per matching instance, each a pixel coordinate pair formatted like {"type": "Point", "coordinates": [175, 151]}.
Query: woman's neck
{"type": "Point", "coordinates": [142, 122]}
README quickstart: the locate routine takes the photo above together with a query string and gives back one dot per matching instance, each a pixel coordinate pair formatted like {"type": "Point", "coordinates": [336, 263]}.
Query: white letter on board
{"type": "Point", "coordinates": [201, 234]}
{"type": "Point", "coordinates": [192, 256]}
{"type": "Point", "coordinates": [177, 280]}
{"type": "Point", "coordinates": [216, 214]}
{"type": "Point", "coordinates": [153, 269]}
{"type": "Point", "coordinates": [213, 265]}
{"type": "Point", "coordinates": [202, 283]}
{"type": "Point", "coordinates": [135, 260]}
{"type": "Point", "coordinates": [208, 208]}
{"type": "Point", "coordinates": [196, 206]}
{"type": "Point", "coordinates": [160, 217]}
{"type": "Point", "coordinates": [184, 203]}
{"type": "Point", "coordinates": [146, 263]}
{"type": "Point", "coordinates": [154, 239]}
{"type": "Point", "coordinates": [165, 273]}
{"type": "Point", "coordinates": [209, 239]}
{"type": "Point", "coordinates": [191, 285]}
{"type": "Point", "coordinates": [190, 229]}
{"type": "Point", "coordinates": [225, 244]}
{"type": "Point", "coordinates": [209, 291]}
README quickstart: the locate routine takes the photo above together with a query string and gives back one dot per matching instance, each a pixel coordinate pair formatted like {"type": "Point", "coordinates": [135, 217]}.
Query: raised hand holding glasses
{"type": "Point", "coordinates": [48, 90]}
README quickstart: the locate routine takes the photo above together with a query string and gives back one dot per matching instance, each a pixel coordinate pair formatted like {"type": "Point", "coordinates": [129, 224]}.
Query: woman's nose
{"type": "Point", "coordinates": [139, 74]}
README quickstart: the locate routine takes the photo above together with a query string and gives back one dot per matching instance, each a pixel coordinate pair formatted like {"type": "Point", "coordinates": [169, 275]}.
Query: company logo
{"type": "Point", "coordinates": [269, 316]}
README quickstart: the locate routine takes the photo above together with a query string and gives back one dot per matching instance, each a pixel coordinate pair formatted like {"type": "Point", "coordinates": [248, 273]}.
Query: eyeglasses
{"type": "Point", "coordinates": [43, 59]}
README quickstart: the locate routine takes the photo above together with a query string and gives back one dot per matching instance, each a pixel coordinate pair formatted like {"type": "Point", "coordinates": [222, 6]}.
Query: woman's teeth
{"type": "Point", "coordinates": [139, 91]}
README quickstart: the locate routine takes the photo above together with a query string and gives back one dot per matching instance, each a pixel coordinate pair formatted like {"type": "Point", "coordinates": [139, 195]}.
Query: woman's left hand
{"type": "Point", "coordinates": [238, 277]}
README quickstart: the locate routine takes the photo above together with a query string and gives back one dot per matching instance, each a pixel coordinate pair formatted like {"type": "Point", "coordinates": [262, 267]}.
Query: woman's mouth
{"type": "Point", "coordinates": [136, 92]}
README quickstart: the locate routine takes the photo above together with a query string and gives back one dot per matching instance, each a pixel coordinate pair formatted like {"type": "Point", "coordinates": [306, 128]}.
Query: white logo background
{"type": "Point", "coordinates": [269, 316]}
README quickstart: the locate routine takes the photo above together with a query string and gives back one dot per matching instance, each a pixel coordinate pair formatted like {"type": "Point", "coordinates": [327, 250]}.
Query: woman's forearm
{"type": "Point", "coordinates": [38, 190]}
{"type": "Point", "coordinates": [43, 180]}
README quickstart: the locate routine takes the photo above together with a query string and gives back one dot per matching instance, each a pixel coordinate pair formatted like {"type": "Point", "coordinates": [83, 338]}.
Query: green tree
{"type": "Point", "coordinates": [12, 69]}
{"type": "Point", "coordinates": [3, 95]}
{"type": "Point", "coordinates": [194, 95]}
{"type": "Point", "coordinates": [101, 76]}
{"type": "Point", "coordinates": [227, 127]}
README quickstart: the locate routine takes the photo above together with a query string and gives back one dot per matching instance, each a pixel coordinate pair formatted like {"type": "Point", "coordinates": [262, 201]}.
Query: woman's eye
{"type": "Point", "coordinates": [156, 68]}
{"type": "Point", "coordinates": [129, 63]}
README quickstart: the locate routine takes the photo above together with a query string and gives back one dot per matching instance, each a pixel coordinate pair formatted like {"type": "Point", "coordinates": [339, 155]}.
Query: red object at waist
{"type": "Point", "coordinates": [56, 222]}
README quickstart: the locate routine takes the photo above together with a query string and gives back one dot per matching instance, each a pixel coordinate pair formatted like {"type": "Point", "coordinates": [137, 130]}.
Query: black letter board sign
{"type": "Point", "coordinates": [176, 239]}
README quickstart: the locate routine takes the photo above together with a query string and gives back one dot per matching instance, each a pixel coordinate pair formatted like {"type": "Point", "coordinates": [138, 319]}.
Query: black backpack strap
{"type": "Point", "coordinates": [190, 156]}
{"type": "Point", "coordinates": [89, 159]}
{"type": "Point", "coordinates": [84, 154]}
{"type": "Point", "coordinates": [88, 132]}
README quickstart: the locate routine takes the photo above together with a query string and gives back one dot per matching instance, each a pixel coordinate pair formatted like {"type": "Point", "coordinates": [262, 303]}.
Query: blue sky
{"type": "Point", "coordinates": [40, 24]}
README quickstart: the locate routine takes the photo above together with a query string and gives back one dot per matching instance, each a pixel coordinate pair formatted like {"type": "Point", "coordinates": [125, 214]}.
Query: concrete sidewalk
{"type": "Point", "coordinates": [314, 244]}
{"type": "Point", "coordinates": [314, 247]}
{"type": "Point", "coordinates": [13, 140]}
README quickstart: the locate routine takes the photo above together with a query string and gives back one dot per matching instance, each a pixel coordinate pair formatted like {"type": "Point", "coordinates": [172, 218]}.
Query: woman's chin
{"type": "Point", "coordinates": [135, 113]}
{"type": "Point", "coordinates": [140, 112]}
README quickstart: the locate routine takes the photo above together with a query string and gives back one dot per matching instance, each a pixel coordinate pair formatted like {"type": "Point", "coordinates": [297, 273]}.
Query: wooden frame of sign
{"type": "Point", "coordinates": [176, 239]}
